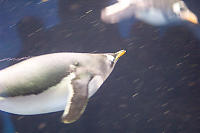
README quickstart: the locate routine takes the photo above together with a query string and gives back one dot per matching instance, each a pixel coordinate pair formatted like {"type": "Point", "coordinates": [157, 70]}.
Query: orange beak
{"type": "Point", "coordinates": [190, 16]}
{"type": "Point", "coordinates": [119, 54]}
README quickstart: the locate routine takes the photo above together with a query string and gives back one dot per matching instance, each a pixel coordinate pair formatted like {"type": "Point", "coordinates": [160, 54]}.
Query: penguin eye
{"type": "Point", "coordinates": [76, 64]}
{"type": "Point", "coordinates": [179, 7]}
{"type": "Point", "coordinates": [112, 63]}
{"type": "Point", "coordinates": [110, 59]}
{"type": "Point", "coordinates": [182, 9]}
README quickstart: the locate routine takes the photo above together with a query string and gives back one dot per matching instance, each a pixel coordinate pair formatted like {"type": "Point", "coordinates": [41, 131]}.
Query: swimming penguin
{"type": "Point", "coordinates": [54, 82]}
{"type": "Point", "coordinates": [154, 12]}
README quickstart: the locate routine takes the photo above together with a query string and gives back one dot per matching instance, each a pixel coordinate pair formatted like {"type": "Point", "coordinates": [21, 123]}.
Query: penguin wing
{"type": "Point", "coordinates": [82, 89]}
{"type": "Point", "coordinates": [118, 11]}
{"type": "Point", "coordinates": [79, 98]}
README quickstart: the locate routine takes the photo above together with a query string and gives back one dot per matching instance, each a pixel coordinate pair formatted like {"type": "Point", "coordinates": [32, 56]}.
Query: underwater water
{"type": "Point", "coordinates": [154, 88]}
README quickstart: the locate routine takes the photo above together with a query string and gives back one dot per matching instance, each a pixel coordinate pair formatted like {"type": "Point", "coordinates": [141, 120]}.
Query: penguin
{"type": "Point", "coordinates": [153, 12]}
{"type": "Point", "coordinates": [55, 82]}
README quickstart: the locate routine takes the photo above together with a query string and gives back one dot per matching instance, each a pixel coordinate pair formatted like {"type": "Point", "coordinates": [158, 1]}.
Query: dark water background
{"type": "Point", "coordinates": [154, 88]}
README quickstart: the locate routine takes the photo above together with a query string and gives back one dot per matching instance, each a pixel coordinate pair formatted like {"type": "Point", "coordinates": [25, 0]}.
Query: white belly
{"type": "Point", "coordinates": [52, 100]}
{"type": "Point", "coordinates": [152, 16]}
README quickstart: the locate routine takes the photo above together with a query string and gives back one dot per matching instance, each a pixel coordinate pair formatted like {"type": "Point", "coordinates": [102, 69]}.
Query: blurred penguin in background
{"type": "Point", "coordinates": [153, 12]}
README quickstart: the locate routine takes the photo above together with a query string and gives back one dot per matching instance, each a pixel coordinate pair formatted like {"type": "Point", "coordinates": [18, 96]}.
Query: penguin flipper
{"type": "Point", "coordinates": [117, 12]}
{"type": "Point", "coordinates": [75, 108]}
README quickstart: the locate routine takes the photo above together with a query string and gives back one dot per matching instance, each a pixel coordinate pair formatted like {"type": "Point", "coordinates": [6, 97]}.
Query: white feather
{"type": "Point", "coordinates": [152, 16]}
{"type": "Point", "coordinates": [94, 85]}
{"type": "Point", "coordinates": [55, 98]}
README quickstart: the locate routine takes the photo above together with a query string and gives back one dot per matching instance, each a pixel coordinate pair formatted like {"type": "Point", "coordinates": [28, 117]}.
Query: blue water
{"type": "Point", "coordinates": [154, 88]}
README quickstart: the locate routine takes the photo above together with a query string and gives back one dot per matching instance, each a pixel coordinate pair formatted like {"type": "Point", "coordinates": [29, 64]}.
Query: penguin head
{"type": "Point", "coordinates": [181, 11]}
{"type": "Point", "coordinates": [112, 58]}
{"type": "Point", "coordinates": [96, 64]}
{"type": "Point", "coordinates": [95, 68]}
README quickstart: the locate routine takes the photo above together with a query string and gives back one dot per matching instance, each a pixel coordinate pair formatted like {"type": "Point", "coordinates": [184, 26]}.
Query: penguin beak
{"type": "Point", "coordinates": [119, 54]}
{"type": "Point", "coordinates": [190, 16]}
